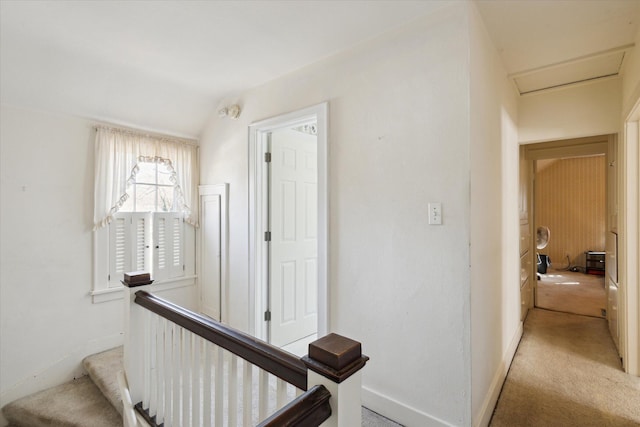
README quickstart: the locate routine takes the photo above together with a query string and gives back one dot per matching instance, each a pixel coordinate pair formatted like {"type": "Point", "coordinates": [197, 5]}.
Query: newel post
{"type": "Point", "coordinates": [134, 337]}
{"type": "Point", "coordinates": [335, 362]}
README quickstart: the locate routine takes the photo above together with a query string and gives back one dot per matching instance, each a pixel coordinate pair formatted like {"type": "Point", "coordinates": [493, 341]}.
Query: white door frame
{"type": "Point", "coordinates": [630, 245]}
{"type": "Point", "coordinates": [258, 215]}
{"type": "Point", "coordinates": [557, 149]}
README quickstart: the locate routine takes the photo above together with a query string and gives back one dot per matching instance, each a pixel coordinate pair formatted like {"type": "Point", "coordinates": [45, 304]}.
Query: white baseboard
{"type": "Point", "coordinates": [59, 372]}
{"type": "Point", "coordinates": [486, 411]}
{"type": "Point", "coordinates": [399, 412]}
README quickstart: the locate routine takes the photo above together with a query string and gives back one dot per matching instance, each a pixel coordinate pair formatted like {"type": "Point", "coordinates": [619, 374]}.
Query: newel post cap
{"type": "Point", "coordinates": [335, 357]}
{"type": "Point", "coordinates": [134, 279]}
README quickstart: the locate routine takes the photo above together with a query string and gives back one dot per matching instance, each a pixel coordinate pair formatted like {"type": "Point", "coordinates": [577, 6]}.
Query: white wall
{"type": "Point", "coordinates": [631, 78]}
{"type": "Point", "coordinates": [495, 279]}
{"type": "Point", "coordinates": [48, 322]}
{"type": "Point", "coordinates": [398, 139]}
{"type": "Point", "coordinates": [573, 112]}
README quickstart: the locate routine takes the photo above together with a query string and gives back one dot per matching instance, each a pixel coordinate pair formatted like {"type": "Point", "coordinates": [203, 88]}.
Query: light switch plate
{"type": "Point", "coordinates": [435, 213]}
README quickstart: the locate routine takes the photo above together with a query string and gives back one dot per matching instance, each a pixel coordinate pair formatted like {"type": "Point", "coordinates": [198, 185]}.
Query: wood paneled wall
{"type": "Point", "coordinates": [570, 199]}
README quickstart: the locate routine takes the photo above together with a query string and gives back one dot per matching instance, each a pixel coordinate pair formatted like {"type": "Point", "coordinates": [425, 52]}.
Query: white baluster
{"type": "Point", "coordinates": [160, 370]}
{"type": "Point", "coordinates": [233, 390]}
{"type": "Point", "coordinates": [146, 364]}
{"type": "Point", "coordinates": [153, 365]}
{"type": "Point", "coordinates": [196, 380]}
{"type": "Point", "coordinates": [247, 394]}
{"type": "Point", "coordinates": [263, 394]}
{"type": "Point", "coordinates": [219, 375]}
{"type": "Point", "coordinates": [208, 398]}
{"type": "Point", "coordinates": [281, 397]}
{"type": "Point", "coordinates": [186, 377]}
{"type": "Point", "coordinates": [177, 363]}
{"type": "Point", "coordinates": [168, 364]}
{"type": "Point", "coordinates": [128, 413]}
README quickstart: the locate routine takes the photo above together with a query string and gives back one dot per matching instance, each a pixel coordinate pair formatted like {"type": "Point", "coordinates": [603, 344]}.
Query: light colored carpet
{"type": "Point", "coordinates": [572, 292]}
{"type": "Point", "coordinates": [566, 372]}
{"type": "Point", "coordinates": [372, 419]}
{"type": "Point", "coordinates": [103, 369]}
{"type": "Point", "coordinates": [78, 403]}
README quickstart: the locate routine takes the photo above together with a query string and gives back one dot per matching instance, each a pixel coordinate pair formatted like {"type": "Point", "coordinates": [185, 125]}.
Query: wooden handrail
{"type": "Point", "coordinates": [280, 363]}
{"type": "Point", "coordinates": [310, 409]}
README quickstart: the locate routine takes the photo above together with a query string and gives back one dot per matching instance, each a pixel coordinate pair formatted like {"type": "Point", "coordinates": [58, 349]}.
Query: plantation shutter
{"type": "Point", "coordinates": [119, 248]}
{"type": "Point", "coordinates": [177, 235]}
{"type": "Point", "coordinates": [129, 245]}
{"type": "Point", "coordinates": [141, 242]}
{"type": "Point", "coordinates": [168, 235]}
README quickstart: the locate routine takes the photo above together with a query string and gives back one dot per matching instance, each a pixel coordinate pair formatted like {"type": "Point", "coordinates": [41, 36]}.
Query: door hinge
{"type": "Point", "coordinates": [267, 157]}
{"type": "Point", "coordinates": [184, 267]}
{"type": "Point", "coordinates": [267, 236]}
{"type": "Point", "coordinates": [267, 316]}
{"type": "Point", "coordinates": [108, 277]}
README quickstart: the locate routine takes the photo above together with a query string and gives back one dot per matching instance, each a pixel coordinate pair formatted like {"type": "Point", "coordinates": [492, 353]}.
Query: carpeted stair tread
{"type": "Point", "coordinates": [103, 369]}
{"type": "Point", "coordinates": [78, 403]}
{"type": "Point", "coordinates": [373, 419]}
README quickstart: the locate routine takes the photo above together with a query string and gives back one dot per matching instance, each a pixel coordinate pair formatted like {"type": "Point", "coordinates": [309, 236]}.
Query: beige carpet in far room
{"type": "Point", "coordinates": [572, 292]}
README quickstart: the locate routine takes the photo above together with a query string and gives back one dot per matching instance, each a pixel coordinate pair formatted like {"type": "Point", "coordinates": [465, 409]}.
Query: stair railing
{"type": "Point", "coordinates": [184, 369]}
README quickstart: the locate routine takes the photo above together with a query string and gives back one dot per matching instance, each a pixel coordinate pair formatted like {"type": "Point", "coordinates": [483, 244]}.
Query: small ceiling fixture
{"type": "Point", "coordinates": [232, 111]}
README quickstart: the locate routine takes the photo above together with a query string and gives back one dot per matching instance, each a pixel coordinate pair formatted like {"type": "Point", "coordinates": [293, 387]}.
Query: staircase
{"type": "Point", "coordinates": [94, 400]}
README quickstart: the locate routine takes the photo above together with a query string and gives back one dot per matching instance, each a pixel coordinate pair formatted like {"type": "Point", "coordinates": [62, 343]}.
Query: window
{"type": "Point", "coordinates": [143, 219]}
{"type": "Point", "coordinates": [147, 233]}
{"type": "Point", "coordinates": [153, 190]}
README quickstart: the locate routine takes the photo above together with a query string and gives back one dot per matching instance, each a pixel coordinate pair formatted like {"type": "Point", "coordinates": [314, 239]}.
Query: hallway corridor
{"type": "Point", "coordinates": [566, 372]}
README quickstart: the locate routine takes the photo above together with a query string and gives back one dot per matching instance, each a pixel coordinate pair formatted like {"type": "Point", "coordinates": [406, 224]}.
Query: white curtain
{"type": "Point", "coordinates": [117, 155]}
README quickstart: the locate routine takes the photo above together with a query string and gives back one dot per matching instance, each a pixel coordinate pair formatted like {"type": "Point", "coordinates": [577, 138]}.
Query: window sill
{"type": "Point", "coordinates": [115, 293]}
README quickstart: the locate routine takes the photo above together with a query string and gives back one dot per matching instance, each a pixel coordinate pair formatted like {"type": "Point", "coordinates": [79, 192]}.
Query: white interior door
{"type": "Point", "coordinates": [293, 249]}
{"type": "Point", "coordinates": [210, 277]}
{"type": "Point", "coordinates": [312, 119]}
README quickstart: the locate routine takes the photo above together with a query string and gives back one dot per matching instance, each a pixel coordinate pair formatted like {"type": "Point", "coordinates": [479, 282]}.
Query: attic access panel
{"type": "Point", "coordinates": [576, 71]}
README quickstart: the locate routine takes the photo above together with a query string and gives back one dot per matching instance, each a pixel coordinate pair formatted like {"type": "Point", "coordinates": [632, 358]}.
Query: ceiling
{"type": "Point", "coordinates": [165, 65]}
{"type": "Point", "coordinates": [552, 43]}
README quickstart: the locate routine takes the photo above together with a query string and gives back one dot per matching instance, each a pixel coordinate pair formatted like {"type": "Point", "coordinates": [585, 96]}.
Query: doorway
{"type": "Point", "coordinates": [288, 262]}
{"type": "Point", "coordinates": [623, 207]}
{"type": "Point", "coordinates": [559, 180]}
{"type": "Point", "coordinates": [570, 222]}
{"type": "Point", "coordinates": [293, 241]}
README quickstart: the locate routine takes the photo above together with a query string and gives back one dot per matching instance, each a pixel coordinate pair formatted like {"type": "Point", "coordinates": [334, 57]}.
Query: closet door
{"type": "Point", "coordinates": [527, 275]}
{"type": "Point", "coordinates": [212, 251]}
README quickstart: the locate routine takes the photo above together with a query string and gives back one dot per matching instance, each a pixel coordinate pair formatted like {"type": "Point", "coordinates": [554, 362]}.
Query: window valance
{"type": "Point", "coordinates": [117, 154]}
